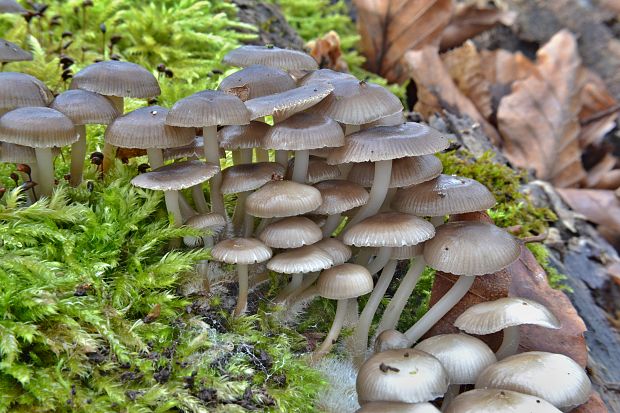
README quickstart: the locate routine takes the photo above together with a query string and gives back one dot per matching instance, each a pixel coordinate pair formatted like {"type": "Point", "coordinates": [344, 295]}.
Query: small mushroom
{"type": "Point", "coordinates": [392, 407]}
{"type": "Point", "coordinates": [496, 400]}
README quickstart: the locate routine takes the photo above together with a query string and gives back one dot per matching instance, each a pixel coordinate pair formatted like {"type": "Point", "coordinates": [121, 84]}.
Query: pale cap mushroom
{"type": "Point", "coordinates": [339, 252]}
{"type": "Point", "coordinates": [269, 55]}
{"type": "Point", "coordinates": [282, 199]}
{"type": "Point", "coordinates": [301, 260]}
{"type": "Point", "coordinates": [291, 232]}
{"type": "Point", "coordinates": [10, 52]}
{"type": "Point", "coordinates": [339, 196]}
{"type": "Point", "coordinates": [256, 81]}
{"type": "Point", "coordinates": [285, 104]}
{"type": "Point", "coordinates": [21, 90]}
{"type": "Point", "coordinates": [208, 108]}
{"type": "Point", "coordinates": [411, 170]}
{"type": "Point", "coordinates": [248, 136]}
{"type": "Point", "coordinates": [389, 229]}
{"type": "Point", "coordinates": [390, 340]}
{"type": "Point", "coordinates": [496, 400]}
{"type": "Point", "coordinates": [392, 407]}
{"type": "Point", "coordinates": [318, 170]}
{"type": "Point", "coordinates": [248, 177]}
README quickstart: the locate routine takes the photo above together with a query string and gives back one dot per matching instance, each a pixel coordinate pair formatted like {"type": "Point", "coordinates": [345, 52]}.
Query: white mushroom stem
{"type": "Point", "coordinates": [332, 222]}
{"type": "Point", "coordinates": [387, 203]}
{"type": "Point", "coordinates": [212, 154]}
{"type": "Point", "coordinates": [383, 170]}
{"type": "Point", "coordinates": [172, 205]}
{"type": "Point", "coordinates": [293, 285]}
{"type": "Point", "coordinates": [156, 157]}
{"type": "Point", "coordinates": [186, 210]}
{"type": "Point", "coordinates": [441, 308]}
{"type": "Point", "coordinates": [78, 154]}
{"type": "Point", "coordinates": [393, 311]}
{"type": "Point", "coordinates": [359, 339]}
{"type": "Point", "coordinates": [199, 199]}
{"type": "Point", "coordinates": [300, 168]}
{"type": "Point", "coordinates": [282, 157]}
{"type": "Point", "coordinates": [380, 260]}
{"type": "Point", "coordinates": [349, 129]}
{"type": "Point", "coordinates": [308, 280]}
{"type": "Point", "coordinates": [510, 343]}
{"type": "Point", "coordinates": [242, 299]}
{"type": "Point", "coordinates": [109, 151]}
{"type": "Point", "coordinates": [238, 217]}
{"type": "Point", "coordinates": [262, 155]}
{"type": "Point", "coordinates": [438, 220]}
{"type": "Point", "coordinates": [334, 331]}
{"type": "Point", "coordinates": [45, 162]}
{"type": "Point", "coordinates": [248, 225]}
{"type": "Point", "coordinates": [451, 393]}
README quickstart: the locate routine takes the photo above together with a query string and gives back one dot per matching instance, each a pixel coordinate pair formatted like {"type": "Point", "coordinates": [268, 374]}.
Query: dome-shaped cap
{"type": "Point", "coordinates": [324, 75]}
{"type": "Point", "coordinates": [462, 356]}
{"type": "Point", "coordinates": [403, 375]}
{"type": "Point", "coordinates": [301, 260]}
{"type": "Point", "coordinates": [250, 176]}
{"type": "Point", "coordinates": [284, 59]}
{"type": "Point", "coordinates": [339, 196]}
{"type": "Point", "coordinates": [392, 407]}
{"type": "Point", "coordinates": [11, 6]}
{"type": "Point", "coordinates": [411, 170]}
{"type": "Point", "coordinates": [554, 377]}
{"type": "Point", "coordinates": [10, 52]}
{"type": "Point", "coordinates": [258, 80]}
{"type": "Point", "coordinates": [145, 128]}
{"type": "Point", "coordinates": [390, 340]}
{"type": "Point", "coordinates": [339, 252]}
{"type": "Point", "coordinates": [389, 142]}
{"type": "Point", "coordinates": [285, 104]}
{"type": "Point", "coordinates": [356, 102]}
{"type": "Point", "coordinates": [389, 229]}
{"type": "Point", "coordinates": [84, 107]}
{"type": "Point", "coordinates": [176, 176]}
{"type": "Point", "coordinates": [115, 78]}
{"type": "Point", "coordinates": [19, 90]}
{"type": "Point", "coordinates": [194, 149]}
{"type": "Point", "coordinates": [495, 401]}
{"type": "Point", "coordinates": [37, 127]}
{"type": "Point", "coordinates": [492, 316]}
{"type": "Point", "coordinates": [344, 281]}
{"type": "Point", "coordinates": [304, 131]}
{"type": "Point", "coordinates": [291, 232]}
{"type": "Point", "coordinates": [444, 195]}
{"type": "Point", "coordinates": [241, 251]}
{"type": "Point", "coordinates": [208, 108]}
{"type": "Point", "coordinates": [282, 199]}
{"type": "Point", "coordinates": [242, 136]}
{"type": "Point", "coordinates": [318, 170]}
{"type": "Point", "coordinates": [211, 220]}
{"type": "Point", "coordinates": [471, 248]}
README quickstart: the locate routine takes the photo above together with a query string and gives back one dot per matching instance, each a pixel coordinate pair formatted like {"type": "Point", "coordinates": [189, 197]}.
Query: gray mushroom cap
{"type": "Point", "coordinates": [282, 199]}
{"type": "Point", "coordinates": [284, 59]}
{"type": "Point", "coordinates": [344, 281]}
{"type": "Point", "coordinates": [301, 260]}
{"type": "Point", "coordinates": [84, 107]}
{"type": "Point", "coordinates": [208, 108]}
{"type": "Point", "coordinates": [115, 78]}
{"type": "Point", "coordinates": [37, 127]}
{"type": "Point", "coordinates": [241, 251]}
{"type": "Point", "coordinates": [176, 176]}
{"type": "Point", "coordinates": [291, 232]}
{"type": "Point", "coordinates": [10, 52]}
{"type": "Point", "coordinates": [256, 81]}
{"type": "Point", "coordinates": [21, 90]}
{"type": "Point", "coordinates": [389, 229]}
{"type": "Point", "coordinates": [285, 104]}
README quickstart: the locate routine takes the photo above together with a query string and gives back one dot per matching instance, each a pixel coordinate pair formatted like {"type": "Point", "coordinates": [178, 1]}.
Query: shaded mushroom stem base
{"type": "Point", "coordinates": [282, 157]}
{"type": "Point", "coordinates": [359, 339]}
{"type": "Point", "coordinates": [307, 282]}
{"type": "Point", "coordinates": [383, 170]}
{"type": "Point", "coordinates": [212, 154]}
{"type": "Point", "coordinates": [238, 217]}
{"type": "Point", "coordinates": [109, 151]}
{"type": "Point", "coordinates": [510, 343]}
{"type": "Point", "coordinates": [45, 162]}
{"type": "Point", "coordinates": [262, 155]}
{"type": "Point", "coordinates": [242, 299]}
{"type": "Point", "coordinates": [395, 308]}
{"type": "Point", "coordinates": [380, 260]}
{"type": "Point", "coordinates": [331, 224]}
{"type": "Point", "coordinates": [441, 308]}
{"type": "Point", "coordinates": [334, 331]}
{"type": "Point", "coordinates": [438, 220]}
{"type": "Point", "coordinates": [293, 285]}
{"type": "Point", "coordinates": [388, 200]}
{"type": "Point", "coordinates": [300, 168]}
{"type": "Point", "coordinates": [78, 154]}
{"type": "Point", "coordinates": [451, 393]}
{"type": "Point", "coordinates": [198, 196]}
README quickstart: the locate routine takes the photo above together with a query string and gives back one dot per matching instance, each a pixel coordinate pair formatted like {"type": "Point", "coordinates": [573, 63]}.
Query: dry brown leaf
{"type": "Point", "coordinates": [538, 120]}
{"type": "Point", "coordinates": [437, 91]}
{"type": "Point", "coordinates": [463, 64]}
{"type": "Point", "coordinates": [470, 20]}
{"type": "Point", "coordinates": [609, 180]}
{"type": "Point", "coordinates": [598, 112]}
{"type": "Point", "coordinates": [390, 28]}
{"type": "Point", "coordinates": [599, 206]}
{"type": "Point", "coordinates": [327, 53]}
{"type": "Point", "coordinates": [598, 171]}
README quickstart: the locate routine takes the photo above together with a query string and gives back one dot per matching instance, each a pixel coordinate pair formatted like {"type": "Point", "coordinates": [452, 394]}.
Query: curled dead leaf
{"type": "Point", "coordinates": [327, 53]}
{"type": "Point", "coordinates": [598, 112]}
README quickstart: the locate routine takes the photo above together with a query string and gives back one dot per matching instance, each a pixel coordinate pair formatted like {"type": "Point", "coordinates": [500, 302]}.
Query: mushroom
{"type": "Point", "coordinates": [323, 75]}
{"type": "Point", "coordinates": [270, 55]}
{"type": "Point", "coordinates": [390, 340]}
{"type": "Point", "coordinates": [210, 222]}
{"type": "Point", "coordinates": [338, 196]}
{"type": "Point", "coordinates": [495, 400]}
{"type": "Point", "coordinates": [318, 170]}
{"type": "Point", "coordinates": [556, 378]}
{"type": "Point", "coordinates": [241, 139]}
{"type": "Point", "coordinates": [10, 52]}
{"type": "Point", "coordinates": [255, 81]}
{"type": "Point", "coordinates": [11, 6]}
{"type": "Point", "coordinates": [19, 90]}
{"type": "Point", "coordinates": [383, 407]}
{"type": "Point", "coordinates": [505, 314]}
{"type": "Point", "coordinates": [242, 252]}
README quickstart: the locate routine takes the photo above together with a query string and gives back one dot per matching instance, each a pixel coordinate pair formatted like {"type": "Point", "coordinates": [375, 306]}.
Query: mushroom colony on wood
{"type": "Point", "coordinates": [331, 188]}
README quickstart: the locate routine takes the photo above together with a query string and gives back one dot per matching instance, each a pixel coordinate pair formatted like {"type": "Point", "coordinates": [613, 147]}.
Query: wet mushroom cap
{"type": "Point", "coordinates": [176, 176]}
{"type": "Point", "coordinates": [411, 170]}
{"type": "Point", "coordinates": [301, 260]}
{"type": "Point", "coordinates": [145, 128]}
{"type": "Point", "coordinates": [115, 78]}
{"type": "Point", "coordinates": [208, 108]}
{"type": "Point", "coordinates": [291, 232]}
{"type": "Point", "coordinates": [84, 107]}
{"type": "Point", "coordinates": [248, 177]}
{"type": "Point", "coordinates": [389, 142]}
{"type": "Point", "coordinates": [256, 81]}
{"type": "Point", "coordinates": [495, 400]}
{"type": "Point", "coordinates": [554, 377]}
{"type": "Point", "coordinates": [284, 59]}
{"type": "Point", "coordinates": [401, 375]}
{"type": "Point", "coordinates": [37, 127]}
{"type": "Point", "coordinates": [458, 246]}
{"type": "Point", "coordinates": [389, 229]}
{"type": "Point", "coordinates": [444, 195]}
{"type": "Point", "coordinates": [464, 357]}
{"type": "Point", "coordinates": [242, 136]}
{"type": "Point", "coordinates": [241, 251]}
{"type": "Point", "coordinates": [390, 120]}
{"type": "Point", "coordinates": [304, 131]}
{"type": "Point", "coordinates": [339, 196]}
{"type": "Point", "coordinates": [339, 252]}
{"type": "Point", "coordinates": [10, 52]}
{"type": "Point", "coordinates": [285, 104]}
{"type": "Point", "coordinates": [282, 199]}
{"type": "Point", "coordinates": [318, 170]}
{"type": "Point", "coordinates": [492, 316]}
{"type": "Point", "coordinates": [391, 407]}
{"type": "Point", "coordinates": [390, 340]}
{"type": "Point", "coordinates": [21, 90]}
{"type": "Point", "coordinates": [344, 281]}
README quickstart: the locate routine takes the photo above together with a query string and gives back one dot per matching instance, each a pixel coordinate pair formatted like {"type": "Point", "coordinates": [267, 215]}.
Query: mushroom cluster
{"type": "Point", "coordinates": [331, 187]}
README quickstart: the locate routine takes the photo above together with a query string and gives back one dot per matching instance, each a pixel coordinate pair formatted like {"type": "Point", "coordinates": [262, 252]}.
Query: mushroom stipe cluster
{"type": "Point", "coordinates": [331, 196]}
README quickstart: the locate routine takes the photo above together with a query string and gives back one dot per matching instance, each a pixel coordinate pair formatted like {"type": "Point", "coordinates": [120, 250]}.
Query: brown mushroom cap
{"type": "Point", "coordinates": [10, 52]}
{"type": "Point", "coordinates": [344, 281]}
{"type": "Point", "coordinates": [392, 407]}
{"type": "Point", "coordinates": [21, 90]}
{"type": "Point", "coordinates": [339, 196]}
{"type": "Point", "coordinates": [84, 107]}
{"type": "Point", "coordinates": [339, 252]}
{"type": "Point", "coordinates": [291, 232]}
{"type": "Point", "coordinates": [248, 177]}
{"type": "Point", "coordinates": [285, 104]}
{"type": "Point", "coordinates": [241, 251]}
{"type": "Point", "coordinates": [444, 195]}
{"type": "Point", "coordinates": [242, 136]}
{"type": "Point", "coordinates": [318, 170]}
{"type": "Point", "coordinates": [257, 80]}
{"type": "Point", "coordinates": [471, 248]}
{"type": "Point", "coordinates": [389, 229]}
{"type": "Point", "coordinates": [145, 128]}
{"type": "Point", "coordinates": [401, 375]}
{"type": "Point", "coordinates": [411, 170]}
{"type": "Point", "coordinates": [37, 127]}
{"type": "Point", "coordinates": [495, 400]}
{"type": "Point", "coordinates": [301, 260]}
{"type": "Point", "coordinates": [282, 199]}
{"type": "Point", "coordinates": [115, 78]}
{"type": "Point", "coordinates": [389, 142]}
{"type": "Point", "coordinates": [176, 176]}
{"type": "Point", "coordinates": [284, 59]}
{"type": "Point", "coordinates": [208, 108]}
{"type": "Point", "coordinates": [304, 131]}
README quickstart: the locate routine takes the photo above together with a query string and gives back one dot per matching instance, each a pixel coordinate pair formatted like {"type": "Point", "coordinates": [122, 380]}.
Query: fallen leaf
{"type": "Point", "coordinates": [598, 112]}
{"type": "Point", "coordinates": [470, 20]}
{"type": "Point", "coordinates": [538, 120]}
{"type": "Point", "coordinates": [437, 90]}
{"type": "Point", "coordinates": [594, 405]}
{"type": "Point", "coordinates": [599, 206]}
{"type": "Point", "coordinates": [242, 92]}
{"type": "Point", "coordinates": [390, 28]}
{"type": "Point", "coordinates": [609, 180]}
{"type": "Point", "coordinates": [598, 171]}
{"type": "Point", "coordinates": [327, 52]}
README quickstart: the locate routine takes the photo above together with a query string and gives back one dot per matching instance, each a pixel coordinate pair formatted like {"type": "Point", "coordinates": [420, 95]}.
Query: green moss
{"type": "Point", "coordinates": [554, 277]}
